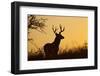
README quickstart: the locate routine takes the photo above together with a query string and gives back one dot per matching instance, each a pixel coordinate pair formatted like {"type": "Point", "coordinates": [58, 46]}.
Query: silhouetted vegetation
{"type": "Point", "coordinates": [35, 23]}
{"type": "Point", "coordinates": [36, 56]}
{"type": "Point", "coordinates": [73, 53]}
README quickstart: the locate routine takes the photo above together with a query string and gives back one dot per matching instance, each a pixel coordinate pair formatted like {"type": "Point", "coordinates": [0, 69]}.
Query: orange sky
{"type": "Point", "coordinates": [75, 34]}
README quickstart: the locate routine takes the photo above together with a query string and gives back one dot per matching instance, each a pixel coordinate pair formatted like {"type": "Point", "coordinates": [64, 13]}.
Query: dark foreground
{"type": "Point", "coordinates": [71, 54]}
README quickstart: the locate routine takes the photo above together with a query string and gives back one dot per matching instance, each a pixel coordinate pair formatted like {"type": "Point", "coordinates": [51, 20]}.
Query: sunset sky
{"type": "Point", "coordinates": [75, 34]}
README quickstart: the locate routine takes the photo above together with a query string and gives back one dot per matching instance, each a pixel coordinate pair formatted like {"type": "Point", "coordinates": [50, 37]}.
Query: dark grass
{"type": "Point", "coordinates": [74, 53]}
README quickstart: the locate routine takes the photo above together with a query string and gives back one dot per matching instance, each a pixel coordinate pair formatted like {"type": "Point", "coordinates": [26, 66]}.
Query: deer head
{"type": "Point", "coordinates": [58, 35]}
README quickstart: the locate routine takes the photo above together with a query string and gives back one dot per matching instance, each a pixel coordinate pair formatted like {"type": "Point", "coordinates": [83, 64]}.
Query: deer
{"type": "Point", "coordinates": [51, 49]}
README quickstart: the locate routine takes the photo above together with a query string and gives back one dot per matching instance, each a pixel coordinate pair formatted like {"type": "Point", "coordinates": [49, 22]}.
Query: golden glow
{"type": "Point", "coordinates": [75, 34]}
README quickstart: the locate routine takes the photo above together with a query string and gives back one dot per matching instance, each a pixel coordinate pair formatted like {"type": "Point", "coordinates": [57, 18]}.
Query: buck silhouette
{"type": "Point", "coordinates": [51, 49]}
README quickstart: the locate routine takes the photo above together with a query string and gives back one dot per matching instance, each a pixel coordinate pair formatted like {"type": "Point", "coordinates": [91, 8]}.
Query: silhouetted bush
{"type": "Point", "coordinates": [73, 53]}
{"type": "Point", "coordinates": [36, 55]}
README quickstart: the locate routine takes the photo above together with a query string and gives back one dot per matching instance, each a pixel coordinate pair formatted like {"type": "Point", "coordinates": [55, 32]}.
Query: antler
{"type": "Point", "coordinates": [61, 29]}
{"type": "Point", "coordinates": [54, 30]}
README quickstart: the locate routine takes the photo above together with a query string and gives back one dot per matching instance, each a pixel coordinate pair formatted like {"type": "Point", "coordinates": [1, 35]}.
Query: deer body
{"type": "Point", "coordinates": [51, 49]}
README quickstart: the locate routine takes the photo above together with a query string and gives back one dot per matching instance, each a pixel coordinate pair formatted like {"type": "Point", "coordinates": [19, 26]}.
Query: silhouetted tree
{"type": "Point", "coordinates": [35, 23]}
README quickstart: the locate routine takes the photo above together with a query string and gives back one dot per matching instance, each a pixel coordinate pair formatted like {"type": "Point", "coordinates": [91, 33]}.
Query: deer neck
{"type": "Point", "coordinates": [56, 41]}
